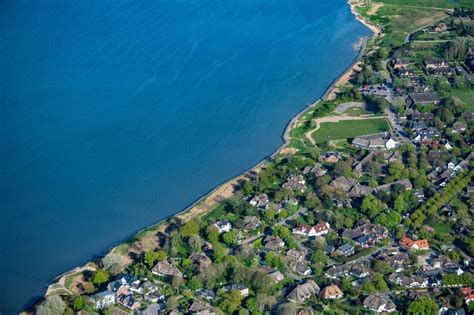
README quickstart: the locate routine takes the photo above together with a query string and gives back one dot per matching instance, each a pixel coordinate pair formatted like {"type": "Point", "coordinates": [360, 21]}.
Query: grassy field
{"type": "Point", "coordinates": [403, 20]}
{"type": "Point", "coordinates": [347, 129]}
{"type": "Point", "coordinates": [466, 96]}
{"type": "Point", "coordinates": [431, 3]}
{"type": "Point", "coordinates": [400, 17]}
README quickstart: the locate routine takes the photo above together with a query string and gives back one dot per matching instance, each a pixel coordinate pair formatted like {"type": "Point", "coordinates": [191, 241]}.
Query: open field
{"type": "Point", "coordinates": [431, 3]}
{"type": "Point", "coordinates": [349, 129]}
{"type": "Point", "coordinates": [403, 20]}
{"type": "Point", "coordinates": [400, 17]}
{"type": "Point", "coordinates": [466, 96]}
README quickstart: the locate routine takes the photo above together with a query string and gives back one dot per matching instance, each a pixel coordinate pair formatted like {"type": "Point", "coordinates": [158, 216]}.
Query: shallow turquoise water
{"type": "Point", "coordinates": [116, 114]}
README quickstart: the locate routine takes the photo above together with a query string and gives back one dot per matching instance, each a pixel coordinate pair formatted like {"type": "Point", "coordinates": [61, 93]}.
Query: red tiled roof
{"type": "Point", "coordinates": [409, 243]}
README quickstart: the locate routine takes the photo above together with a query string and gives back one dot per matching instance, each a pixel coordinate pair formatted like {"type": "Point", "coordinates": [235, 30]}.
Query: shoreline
{"type": "Point", "coordinates": [225, 189]}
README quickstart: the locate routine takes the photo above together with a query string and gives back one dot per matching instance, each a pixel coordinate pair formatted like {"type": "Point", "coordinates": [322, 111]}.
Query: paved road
{"type": "Point", "coordinates": [341, 108]}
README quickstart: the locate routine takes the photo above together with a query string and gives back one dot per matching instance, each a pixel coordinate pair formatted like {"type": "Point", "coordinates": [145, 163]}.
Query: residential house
{"type": "Point", "coordinates": [317, 170]}
{"type": "Point", "coordinates": [435, 64]}
{"type": "Point", "coordinates": [244, 291]}
{"type": "Point", "coordinates": [251, 222]}
{"type": "Point", "coordinates": [408, 281]}
{"type": "Point", "coordinates": [319, 229]}
{"type": "Point", "coordinates": [345, 250]}
{"type": "Point", "coordinates": [468, 294]}
{"type": "Point", "coordinates": [296, 255]}
{"type": "Point", "coordinates": [295, 183]}
{"type": "Point", "coordinates": [449, 311]}
{"type": "Point", "coordinates": [207, 294]}
{"type": "Point", "coordinates": [331, 292]}
{"type": "Point", "coordinates": [365, 240]}
{"type": "Point", "coordinates": [441, 27]}
{"type": "Point", "coordinates": [148, 287]}
{"type": "Point", "coordinates": [397, 261]}
{"type": "Point", "coordinates": [359, 166]}
{"type": "Point", "coordinates": [405, 73]}
{"type": "Point", "coordinates": [343, 184]}
{"type": "Point", "coordinates": [164, 268]}
{"type": "Point", "coordinates": [274, 274]}
{"type": "Point", "coordinates": [444, 72]}
{"type": "Point", "coordinates": [423, 98]}
{"type": "Point", "coordinates": [328, 250]}
{"type": "Point", "coordinates": [301, 268]}
{"type": "Point", "coordinates": [201, 261]}
{"type": "Point", "coordinates": [273, 242]}
{"type": "Point", "coordinates": [303, 291]}
{"type": "Point", "coordinates": [404, 182]}
{"type": "Point", "coordinates": [129, 301]}
{"type": "Point", "coordinates": [409, 244]}
{"type": "Point", "coordinates": [223, 226]}
{"type": "Point", "coordinates": [356, 269]}
{"type": "Point", "coordinates": [260, 201]}
{"type": "Point", "coordinates": [360, 190]}
{"type": "Point", "coordinates": [427, 134]}
{"type": "Point", "coordinates": [379, 304]}
{"type": "Point", "coordinates": [459, 126]}
{"type": "Point", "coordinates": [152, 309]}
{"type": "Point", "coordinates": [199, 308]}
{"type": "Point", "coordinates": [365, 228]}
{"type": "Point", "coordinates": [399, 63]}
{"type": "Point", "coordinates": [376, 141]}
{"type": "Point", "coordinates": [420, 195]}
{"type": "Point", "coordinates": [329, 157]}
{"type": "Point", "coordinates": [103, 299]}
{"type": "Point", "coordinates": [469, 62]}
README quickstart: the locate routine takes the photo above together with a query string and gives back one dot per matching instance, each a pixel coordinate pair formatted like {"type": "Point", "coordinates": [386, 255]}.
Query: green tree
{"type": "Point", "coordinates": [372, 206]}
{"type": "Point", "coordinates": [53, 305]}
{"type": "Point", "coordinates": [100, 276]}
{"type": "Point", "coordinates": [367, 287]}
{"type": "Point", "coordinates": [382, 267]}
{"type": "Point", "coordinates": [390, 219]}
{"type": "Point", "coordinates": [190, 228]}
{"type": "Point", "coordinates": [151, 257]}
{"type": "Point", "coordinates": [194, 283]}
{"type": "Point", "coordinates": [212, 234]}
{"type": "Point", "coordinates": [272, 259]}
{"type": "Point", "coordinates": [397, 171]}
{"type": "Point", "coordinates": [247, 188]}
{"type": "Point", "coordinates": [287, 309]}
{"type": "Point", "coordinates": [230, 238]}
{"type": "Point", "coordinates": [113, 263]}
{"type": "Point", "coordinates": [231, 301]}
{"type": "Point", "coordinates": [219, 252]}
{"type": "Point", "coordinates": [78, 303]}
{"type": "Point", "coordinates": [379, 283]}
{"type": "Point", "coordinates": [423, 306]}
{"type": "Point", "coordinates": [319, 257]}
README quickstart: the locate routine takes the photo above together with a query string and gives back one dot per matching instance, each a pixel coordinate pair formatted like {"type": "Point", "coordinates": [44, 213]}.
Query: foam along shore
{"type": "Point", "coordinates": [146, 239]}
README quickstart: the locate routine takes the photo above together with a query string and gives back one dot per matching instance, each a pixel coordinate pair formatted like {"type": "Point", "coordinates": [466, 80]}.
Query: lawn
{"type": "Point", "coordinates": [403, 20]}
{"type": "Point", "coordinates": [347, 129]}
{"type": "Point", "coordinates": [431, 3]}
{"type": "Point", "coordinates": [466, 96]}
{"type": "Point", "coordinates": [400, 17]}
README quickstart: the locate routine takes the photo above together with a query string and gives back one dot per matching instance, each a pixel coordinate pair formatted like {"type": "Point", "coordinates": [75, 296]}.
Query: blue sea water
{"type": "Point", "coordinates": [116, 114]}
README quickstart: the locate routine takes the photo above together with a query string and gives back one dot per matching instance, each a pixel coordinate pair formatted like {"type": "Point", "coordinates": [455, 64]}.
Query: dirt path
{"type": "Point", "coordinates": [335, 119]}
{"type": "Point", "coordinates": [374, 7]}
